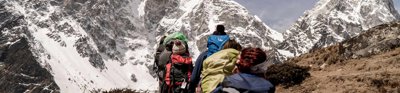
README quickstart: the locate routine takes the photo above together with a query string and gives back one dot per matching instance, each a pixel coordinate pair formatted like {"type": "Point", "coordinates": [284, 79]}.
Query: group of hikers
{"type": "Point", "coordinates": [224, 68]}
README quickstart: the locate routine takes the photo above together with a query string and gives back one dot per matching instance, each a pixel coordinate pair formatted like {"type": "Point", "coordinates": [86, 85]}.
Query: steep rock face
{"type": "Point", "coordinates": [198, 18]}
{"type": "Point", "coordinates": [332, 21]}
{"type": "Point", "coordinates": [19, 69]}
{"type": "Point", "coordinates": [85, 46]}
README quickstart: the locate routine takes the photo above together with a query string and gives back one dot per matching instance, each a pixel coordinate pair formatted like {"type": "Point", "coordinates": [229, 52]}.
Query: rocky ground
{"type": "Point", "coordinates": [378, 73]}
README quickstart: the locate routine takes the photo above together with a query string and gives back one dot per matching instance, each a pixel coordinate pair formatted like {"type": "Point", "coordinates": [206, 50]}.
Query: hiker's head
{"type": "Point", "coordinates": [178, 47]}
{"type": "Point", "coordinates": [232, 44]}
{"type": "Point", "coordinates": [220, 30]}
{"type": "Point", "coordinates": [250, 57]}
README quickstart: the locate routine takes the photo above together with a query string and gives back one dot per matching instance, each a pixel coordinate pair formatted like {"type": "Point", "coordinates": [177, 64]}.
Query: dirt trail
{"type": "Point", "coordinates": [375, 74]}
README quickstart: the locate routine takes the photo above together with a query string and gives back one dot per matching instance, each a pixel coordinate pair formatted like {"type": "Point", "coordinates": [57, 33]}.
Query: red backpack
{"type": "Point", "coordinates": [178, 72]}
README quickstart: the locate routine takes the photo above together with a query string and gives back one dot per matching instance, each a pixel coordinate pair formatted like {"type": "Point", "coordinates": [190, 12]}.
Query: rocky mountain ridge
{"type": "Point", "coordinates": [332, 21]}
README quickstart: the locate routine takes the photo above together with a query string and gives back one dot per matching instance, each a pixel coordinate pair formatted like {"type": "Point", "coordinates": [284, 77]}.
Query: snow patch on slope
{"type": "Point", "coordinates": [141, 8]}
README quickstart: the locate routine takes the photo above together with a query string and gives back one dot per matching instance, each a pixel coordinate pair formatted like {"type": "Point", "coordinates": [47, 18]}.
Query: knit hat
{"type": "Point", "coordinates": [178, 47]}
{"type": "Point", "coordinates": [249, 58]}
{"type": "Point", "coordinates": [220, 28]}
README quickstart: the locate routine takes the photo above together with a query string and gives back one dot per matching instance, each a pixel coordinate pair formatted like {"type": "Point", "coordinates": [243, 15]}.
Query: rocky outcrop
{"type": "Point", "coordinates": [22, 73]}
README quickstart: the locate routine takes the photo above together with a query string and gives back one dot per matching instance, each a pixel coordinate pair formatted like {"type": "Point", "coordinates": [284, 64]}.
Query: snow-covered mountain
{"type": "Point", "coordinates": [83, 46]}
{"type": "Point", "coordinates": [75, 46]}
{"type": "Point", "coordinates": [198, 18]}
{"type": "Point", "coordinates": [332, 21]}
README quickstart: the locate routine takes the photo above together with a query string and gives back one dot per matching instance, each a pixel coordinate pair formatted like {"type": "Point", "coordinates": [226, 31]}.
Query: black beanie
{"type": "Point", "coordinates": [221, 28]}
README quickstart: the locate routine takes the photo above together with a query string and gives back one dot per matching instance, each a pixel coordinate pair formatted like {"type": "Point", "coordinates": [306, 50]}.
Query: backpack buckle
{"type": "Point", "coordinates": [183, 85]}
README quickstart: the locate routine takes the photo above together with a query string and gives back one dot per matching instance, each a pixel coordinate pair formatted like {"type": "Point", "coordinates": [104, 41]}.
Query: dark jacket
{"type": "Point", "coordinates": [195, 78]}
{"type": "Point", "coordinates": [163, 59]}
{"type": "Point", "coordinates": [157, 57]}
{"type": "Point", "coordinates": [245, 83]}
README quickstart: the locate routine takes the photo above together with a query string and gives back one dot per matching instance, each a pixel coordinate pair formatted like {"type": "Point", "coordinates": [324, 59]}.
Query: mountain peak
{"type": "Point", "coordinates": [332, 21]}
{"type": "Point", "coordinates": [198, 19]}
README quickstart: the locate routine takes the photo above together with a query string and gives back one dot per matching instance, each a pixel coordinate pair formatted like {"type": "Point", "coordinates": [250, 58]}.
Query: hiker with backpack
{"type": "Point", "coordinates": [158, 66]}
{"type": "Point", "coordinates": [177, 64]}
{"type": "Point", "coordinates": [214, 44]}
{"type": "Point", "coordinates": [219, 65]}
{"type": "Point", "coordinates": [216, 40]}
{"type": "Point", "coordinates": [246, 80]}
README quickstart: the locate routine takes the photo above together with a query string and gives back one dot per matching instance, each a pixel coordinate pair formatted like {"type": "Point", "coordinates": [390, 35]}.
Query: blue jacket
{"type": "Point", "coordinates": [195, 78]}
{"type": "Point", "coordinates": [215, 43]}
{"type": "Point", "coordinates": [245, 83]}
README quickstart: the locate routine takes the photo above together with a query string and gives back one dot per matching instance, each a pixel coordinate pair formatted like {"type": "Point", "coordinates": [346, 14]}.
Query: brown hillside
{"type": "Point", "coordinates": [366, 63]}
{"type": "Point", "coordinates": [378, 73]}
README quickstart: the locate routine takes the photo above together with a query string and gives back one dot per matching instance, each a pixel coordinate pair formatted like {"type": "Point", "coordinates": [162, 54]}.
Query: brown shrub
{"type": "Point", "coordinates": [287, 74]}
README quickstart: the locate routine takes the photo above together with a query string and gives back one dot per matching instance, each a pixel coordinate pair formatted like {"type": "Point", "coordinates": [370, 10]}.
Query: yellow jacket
{"type": "Point", "coordinates": [216, 67]}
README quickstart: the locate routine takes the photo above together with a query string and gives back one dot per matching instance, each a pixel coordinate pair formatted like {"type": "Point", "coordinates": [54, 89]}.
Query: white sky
{"type": "Point", "coordinates": [280, 14]}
